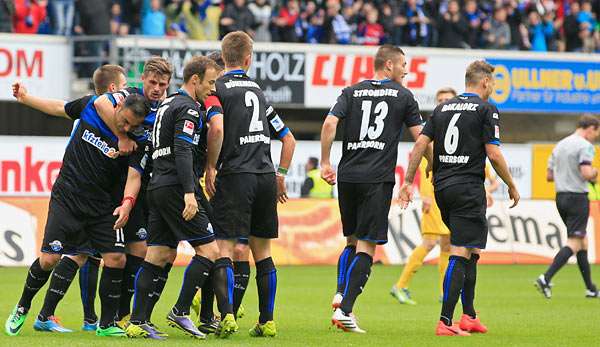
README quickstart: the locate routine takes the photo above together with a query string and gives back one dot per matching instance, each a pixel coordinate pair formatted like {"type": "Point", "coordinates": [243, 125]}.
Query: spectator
{"type": "Point", "coordinates": [63, 13]}
{"type": "Point", "coordinates": [416, 32]}
{"type": "Point", "coordinates": [28, 15]}
{"type": "Point", "coordinates": [587, 23]}
{"type": "Point", "coordinates": [153, 18]}
{"type": "Point", "coordinates": [475, 19]}
{"type": "Point", "coordinates": [201, 19]}
{"type": "Point", "coordinates": [387, 21]}
{"type": "Point", "coordinates": [7, 10]}
{"type": "Point", "coordinates": [335, 28]}
{"type": "Point", "coordinates": [399, 23]}
{"type": "Point", "coordinates": [371, 33]}
{"type": "Point", "coordinates": [286, 21]}
{"type": "Point", "coordinates": [572, 30]}
{"type": "Point", "coordinates": [175, 21]}
{"type": "Point", "coordinates": [115, 18]}
{"type": "Point", "coordinates": [94, 19]}
{"type": "Point", "coordinates": [237, 17]}
{"type": "Point", "coordinates": [132, 10]}
{"type": "Point", "coordinates": [312, 20]}
{"type": "Point", "coordinates": [498, 35]}
{"type": "Point", "coordinates": [261, 10]}
{"type": "Point", "coordinates": [537, 33]}
{"type": "Point", "coordinates": [314, 186]}
{"type": "Point", "coordinates": [515, 22]}
{"type": "Point", "coordinates": [453, 27]}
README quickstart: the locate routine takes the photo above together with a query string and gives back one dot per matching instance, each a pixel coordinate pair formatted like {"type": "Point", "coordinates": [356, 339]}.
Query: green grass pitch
{"type": "Point", "coordinates": [514, 312]}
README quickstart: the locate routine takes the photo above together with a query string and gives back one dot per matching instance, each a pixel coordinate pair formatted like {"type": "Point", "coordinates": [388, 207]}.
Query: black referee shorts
{"type": "Point", "coordinates": [245, 204]}
{"type": "Point", "coordinates": [166, 226]}
{"type": "Point", "coordinates": [574, 210]}
{"type": "Point", "coordinates": [364, 208]}
{"type": "Point", "coordinates": [463, 208]}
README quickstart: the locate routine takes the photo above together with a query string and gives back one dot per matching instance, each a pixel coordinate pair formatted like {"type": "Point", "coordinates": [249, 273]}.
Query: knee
{"type": "Point", "coordinates": [428, 244]}
{"type": "Point", "coordinates": [137, 249]}
{"type": "Point", "coordinates": [209, 251]}
{"type": "Point", "coordinates": [114, 260]}
{"type": "Point", "coordinates": [80, 259]}
{"type": "Point", "coordinates": [49, 260]}
{"type": "Point", "coordinates": [241, 252]}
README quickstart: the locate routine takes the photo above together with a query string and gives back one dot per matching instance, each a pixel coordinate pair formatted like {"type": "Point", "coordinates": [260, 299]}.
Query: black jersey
{"type": "Point", "coordinates": [460, 128]}
{"type": "Point", "coordinates": [176, 155]}
{"type": "Point", "coordinates": [249, 124]}
{"type": "Point", "coordinates": [91, 167]}
{"type": "Point", "coordinates": [74, 108]}
{"type": "Point", "coordinates": [148, 124]}
{"type": "Point", "coordinates": [374, 113]}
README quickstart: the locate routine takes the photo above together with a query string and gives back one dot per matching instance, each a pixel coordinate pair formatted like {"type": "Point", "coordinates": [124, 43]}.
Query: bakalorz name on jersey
{"type": "Point", "coordinates": [375, 93]}
{"type": "Point", "coordinates": [465, 106]}
{"type": "Point", "coordinates": [365, 144]}
{"type": "Point", "coordinates": [254, 139]}
{"type": "Point", "coordinates": [454, 159]}
{"type": "Point", "coordinates": [97, 142]}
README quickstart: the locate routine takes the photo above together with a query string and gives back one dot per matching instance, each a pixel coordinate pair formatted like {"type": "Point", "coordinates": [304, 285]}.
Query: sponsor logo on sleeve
{"type": "Point", "coordinates": [188, 127]}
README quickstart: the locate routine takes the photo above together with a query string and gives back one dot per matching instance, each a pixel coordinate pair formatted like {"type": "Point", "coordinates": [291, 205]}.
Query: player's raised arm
{"type": "Point", "coordinates": [53, 107]}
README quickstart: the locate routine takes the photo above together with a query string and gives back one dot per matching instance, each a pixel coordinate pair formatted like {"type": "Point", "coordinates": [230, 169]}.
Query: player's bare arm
{"type": "Point", "coordinates": [214, 145]}
{"type": "Point", "coordinates": [287, 152]}
{"type": "Point", "coordinates": [406, 193]}
{"type": "Point", "coordinates": [53, 107]}
{"type": "Point", "coordinates": [588, 172]}
{"type": "Point", "coordinates": [132, 189]}
{"type": "Point", "coordinates": [327, 136]}
{"type": "Point", "coordinates": [499, 163]}
{"type": "Point", "coordinates": [106, 110]}
{"type": "Point", "coordinates": [416, 132]}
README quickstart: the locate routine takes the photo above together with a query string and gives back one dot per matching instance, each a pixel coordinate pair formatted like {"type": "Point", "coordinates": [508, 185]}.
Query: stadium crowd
{"type": "Point", "coordinates": [537, 25]}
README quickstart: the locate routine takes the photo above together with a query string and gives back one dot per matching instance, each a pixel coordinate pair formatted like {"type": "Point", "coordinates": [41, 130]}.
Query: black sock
{"type": "Point", "coordinates": [88, 283]}
{"type": "Point", "coordinates": [344, 262]}
{"type": "Point", "coordinates": [356, 279]}
{"type": "Point", "coordinates": [159, 286]}
{"type": "Point", "coordinates": [584, 268]}
{"type": "Point", "coordinates": [62, 276]}
{"type": "Point", "coordinates": [241, 275]}
{"type": "Point", "coordinates": [468, 292]}
{"type": "Point", "coordinates": [223, 285]}
{"type": "Point", "coordinates": [453, 284]}
{"type": "Point", "coordinates": [194, 277]}
{"type": "Point", "coordinates": [110, 294]}
{"type": "Point", "coordinates": [559, 261]}
{"type": "Point", "coordinates": [127, 287]}
{"type": "Point", "coordinates": [146, 281]}
{"type": "Point", "coordinates": [207, 300]}
{"type": "Point", "coordinates": [266, 285]}
{"type": "Point", "coordinates": [36, 278]}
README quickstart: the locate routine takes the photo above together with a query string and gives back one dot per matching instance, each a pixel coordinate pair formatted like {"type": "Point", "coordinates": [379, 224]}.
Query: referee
{"type": "Point", "coordinates": [570, 167]}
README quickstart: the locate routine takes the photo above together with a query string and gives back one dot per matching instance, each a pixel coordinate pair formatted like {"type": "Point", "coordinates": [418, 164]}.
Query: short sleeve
{"type": "Point", "coordinates": [413, 115]}
{"type": "Point", "coordinates": [117, 97]}
{"type": "Point", "coordinates": [74, 108]}
{"type": "Point", "coordinates": [428, 129]}
{"type": "Point", "coordinates": [213, 107]}
{"type": "Point", "coordinates": [139, 159]}
{"type": "Point", "coordinates": [340, 108]}
{"type": "Point", "coordinates": [491, 125]}
{"type": "Point", "coordinates": [277, 127]}
{"type": "Point", "coordinates": [186, 124]}
{"type": "Point", "coordinates": [586, 155]}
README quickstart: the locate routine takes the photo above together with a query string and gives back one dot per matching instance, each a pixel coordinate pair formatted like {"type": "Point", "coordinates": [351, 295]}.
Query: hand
{"type": "Point", "coordinates": [489, 199]}
{"type": "Point", "coordinates": [126, 146]}
{"type": "Point", "coordinates": [227, 21]}
{"type": "Point", "coordinates": [281, 190]}
{"type": "Point", "coordinates": [19, 91]}
{"type": "Point", "coordinates": [514, 195]}
{"type": "Point", "coordinates": [123, 213]}
{"type": "Point", "coordinates": [191, 206]}
{"type": "Point", "coordinates": [426, 205]}
{"type": "Point", "coordinates": [406, 195]}
{"type": "Point", "coordinates": [209, 181]}
{"type": "Point", "coordinates": [328, 174]}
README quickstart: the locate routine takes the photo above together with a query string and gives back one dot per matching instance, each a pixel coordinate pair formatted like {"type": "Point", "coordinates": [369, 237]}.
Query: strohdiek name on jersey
{"type": "Point", "coordinates": [375, 93]}
{"type": "Point", "coordinates": [161, 152]}
{"type": "Point", "coordinates": [454, 159]}
{"type": "Point", "coordinates": [366, 144]}
{"type": "Point", "coordinates": [242, 84]}
{"type": "Point", "coordinates": [97, 142]}
{"type": "Point", "coordinates": [254, 139]}
{"type": "Point", "coordinates": [462, 106]}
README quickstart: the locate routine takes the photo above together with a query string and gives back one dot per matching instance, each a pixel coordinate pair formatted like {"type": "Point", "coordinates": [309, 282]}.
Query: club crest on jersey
{"type": "Point", "coordinates": [56, 245]}
{"type": "Point", "coordinates": [193, 113]}
{"type": "Point", "coordinates": [495, 115]}
{"type": "Point", "coordinates": [142, 234]}
{"type": "Point", "coordinates": [188, 127]}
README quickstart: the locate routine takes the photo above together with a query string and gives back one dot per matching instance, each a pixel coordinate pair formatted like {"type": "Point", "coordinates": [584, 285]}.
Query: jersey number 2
{"type": "Point", "coordinates": [381, 111]}
{"type": "Point", "coordinates": [252, 101]}
{"type": "Point", "coordinates": [452, 134]}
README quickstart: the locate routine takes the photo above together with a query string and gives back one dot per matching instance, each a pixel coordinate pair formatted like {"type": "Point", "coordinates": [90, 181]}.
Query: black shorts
{"type": "Point", "coordinates": [245, 205]}
{"type": "Point", "coordinates": [574, 209]}
{"type": "Point", "coordinates": [364, 208]}
{"type": "Point", "coordinates": [136, 229]}
{"type": "Point", "coordinates": [166, 225]}
{"type": "Point", "coordinates": [72, 232]}
{"type": "Point", "coordinates": [463, 208]}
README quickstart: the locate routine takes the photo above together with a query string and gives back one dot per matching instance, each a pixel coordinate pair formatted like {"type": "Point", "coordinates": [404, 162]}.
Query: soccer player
{"type": "Point", "coordinates": [464, 130]}
{"type": "Point", "coordinates": [81, 207]}
{"type": "Point", "coordinates": [432, 230]}
{"type": "Point", "coordinates": [173, 193]}
{"type": "Point", "coordinates": [374, 113]}
{"type": "Point", "coordinates": [107, 78]}
{"type": "Point", "coordinates": [247, 188]}
{"type": "Point", "coordinates": [570, 168]}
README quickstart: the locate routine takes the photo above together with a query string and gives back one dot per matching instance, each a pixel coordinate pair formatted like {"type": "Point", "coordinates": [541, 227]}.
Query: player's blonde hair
{"type": "Point", "coordinates": [105, 75]}
{"type": "Point", "coordinates": [445, 90]}
{"type": "Point", "coordinates": [385, 53]}
{"type": "Point", "coordinates": [235, 47]}
{"type": "Point", "coordinates": [159, 66]}
{"type": "Point", "coordinates": [477, 71]}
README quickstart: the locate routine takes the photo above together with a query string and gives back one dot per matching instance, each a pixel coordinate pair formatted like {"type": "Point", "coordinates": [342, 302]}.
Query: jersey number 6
{"type": "Point", "coordinates": [452, 134]}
